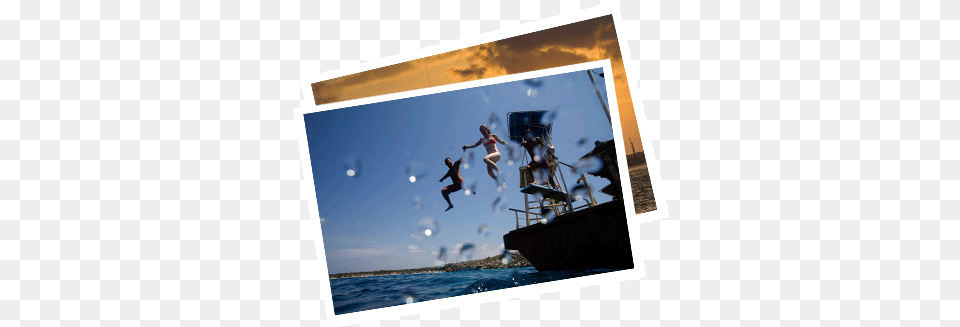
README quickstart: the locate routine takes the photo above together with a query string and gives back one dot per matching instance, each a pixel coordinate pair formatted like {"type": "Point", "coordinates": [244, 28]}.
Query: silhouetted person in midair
{"type": "Point", "coordinates": [453, 171]}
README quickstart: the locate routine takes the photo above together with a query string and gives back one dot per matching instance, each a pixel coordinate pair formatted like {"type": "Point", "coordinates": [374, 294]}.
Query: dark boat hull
{"type": "Point", "coordinates": [596, 237]}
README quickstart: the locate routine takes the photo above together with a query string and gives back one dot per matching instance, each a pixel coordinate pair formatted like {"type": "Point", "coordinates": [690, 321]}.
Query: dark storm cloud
{"type": "Point", "coordinates": [469, 73]}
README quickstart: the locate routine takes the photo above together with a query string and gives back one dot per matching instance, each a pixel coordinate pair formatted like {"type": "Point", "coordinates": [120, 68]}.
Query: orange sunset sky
{"type": "Point", "coordinates": [580, 42]}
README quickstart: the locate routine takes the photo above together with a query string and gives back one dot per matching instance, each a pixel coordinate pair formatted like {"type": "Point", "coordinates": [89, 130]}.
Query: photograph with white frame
{"type": "Point", "coordinates": [361, 184]}
{"type": "Point", "coordinates": [588, 35]}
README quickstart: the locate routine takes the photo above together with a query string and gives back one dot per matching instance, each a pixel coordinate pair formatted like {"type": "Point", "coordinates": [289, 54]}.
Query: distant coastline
{"type": "Point", "coordinates": [494, 262]}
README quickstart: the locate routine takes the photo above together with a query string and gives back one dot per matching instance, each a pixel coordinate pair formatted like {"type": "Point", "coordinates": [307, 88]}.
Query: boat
{"type": "Point", "coordinates": [559, 231]}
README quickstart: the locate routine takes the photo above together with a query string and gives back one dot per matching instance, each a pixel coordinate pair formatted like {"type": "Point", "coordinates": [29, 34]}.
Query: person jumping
{"type": "Point", "coordinates": [490, 141]}
{"type": "Point", "coordinates": [454, 173]}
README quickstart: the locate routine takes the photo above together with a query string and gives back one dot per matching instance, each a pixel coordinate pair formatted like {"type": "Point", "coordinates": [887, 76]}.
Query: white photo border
{"type": "Point", "coordinates": [395, 312]}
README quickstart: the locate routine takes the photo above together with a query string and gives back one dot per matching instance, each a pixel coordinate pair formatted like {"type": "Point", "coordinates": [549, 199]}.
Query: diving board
{"type": "Point", "coordinates": [545, 192]}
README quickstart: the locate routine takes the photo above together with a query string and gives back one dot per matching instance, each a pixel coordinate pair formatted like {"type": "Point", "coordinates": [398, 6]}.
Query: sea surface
{"type": "Point", "coordinates": [643, 199]}
{"type": "Point", "coordinates": [365, 293]}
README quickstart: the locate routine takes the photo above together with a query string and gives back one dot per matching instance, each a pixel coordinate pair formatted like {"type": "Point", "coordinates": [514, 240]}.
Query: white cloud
{"type": "Point", "coordinates": [416, 237]}
{"type": "Point", "coordinates": [414, 249]}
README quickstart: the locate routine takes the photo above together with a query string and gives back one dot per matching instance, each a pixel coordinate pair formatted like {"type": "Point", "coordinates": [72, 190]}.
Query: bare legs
{"type": "Point", "coordinates": [446, 196]}
{"type": "Point", "coordinates": [450, 189]}
{"type": "Point", "coordinates": [491, 161]}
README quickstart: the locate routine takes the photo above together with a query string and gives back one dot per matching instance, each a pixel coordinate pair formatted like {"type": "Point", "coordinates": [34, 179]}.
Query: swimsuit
{"type": "Point", "coordinates": [492, 141]}
{"type": "Point", "coordinates": [456, 186]}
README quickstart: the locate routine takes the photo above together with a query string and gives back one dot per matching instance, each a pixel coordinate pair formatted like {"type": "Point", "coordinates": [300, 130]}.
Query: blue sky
{"type": "Point", "coordinates": [369, 220]}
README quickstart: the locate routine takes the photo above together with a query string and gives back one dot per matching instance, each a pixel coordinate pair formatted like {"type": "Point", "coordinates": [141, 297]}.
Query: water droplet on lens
{"type": "Point", "coordinates": [532, 93]}
{"type": "Point", "coordinates": [500, 204]}
{"type": "Point", "coordinates": [509, 162]}
{"type": "Point", "coordinates": [589, 164]}
{"type": "Point", "coordinates": [580, 192]}
{"type": "Point", "coordinates": [441, 256]}
{"type": "Point", "coordinates": [469, 187]}
{"type": "Point", "coordinates": [409, 297]}
{"type": "Point", "coordinates": [548, 216]}
{"type": "Point", "coordinates": [466, 251]}
{"type": "Point", "coordinates": [494, 121]}
{"type": "Point", "coordinates": [351, 166]}
{"type": "Point", "coordinates": [483, 230]}
{"type": "Point", "coordinates": [467, 157]}
{"type": "Point", "coordinates": [549, 117]}
{"type": "Point", "coordinates": [541, 176]}
{"type": "Point", "coordinates": [415, 171]}
{"type": "Point", "coordinates": [507, 257]}
{"type": "Point", "coordinates": [583, 141]}
{"type": "Point", "coordinates": [534, 82]}
{"type": "Point", "coordinates": [428, 226]}
{"type": "Point", "coordinates": [514, 151]}
{"type": "Point", "coordinates": [417, 202]}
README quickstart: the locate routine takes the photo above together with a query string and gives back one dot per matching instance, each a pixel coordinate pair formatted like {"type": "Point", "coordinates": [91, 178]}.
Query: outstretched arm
{"type": "Point", "coordinates": [474, 145]}
{"type": "Point", "coordinates": [445, 176]}
{"type": "Point", "coordinates": [497, 138]}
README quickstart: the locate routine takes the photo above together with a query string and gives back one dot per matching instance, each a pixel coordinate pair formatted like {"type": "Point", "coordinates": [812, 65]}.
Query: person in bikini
{"type": "Point", "coordinates": [454, 173]}
{"type": "Point", "coordinates": [490, 141]}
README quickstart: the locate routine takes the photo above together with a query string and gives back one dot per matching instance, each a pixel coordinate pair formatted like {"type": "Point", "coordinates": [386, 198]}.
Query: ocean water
{"type": "Point", "coordinates": [643, 199]}
{"type": "Point", "coordinates": [365, 293]}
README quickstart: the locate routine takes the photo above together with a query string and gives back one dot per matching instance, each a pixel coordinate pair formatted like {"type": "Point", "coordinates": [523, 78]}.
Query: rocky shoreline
{"type": "Point", "coordinates": [494, 262]}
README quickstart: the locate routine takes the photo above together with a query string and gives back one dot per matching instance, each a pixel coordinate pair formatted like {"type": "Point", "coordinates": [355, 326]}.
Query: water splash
{"type": "Point", "coordinates": [417, 202]}
{"type": "Point", "coordinates": [483, 230]}
{"type": "Point", "coordinates": [428, 226]}
{"type": "Point", "coordinates": [351, 166]}
{"type": "Point", "coordinates": [587, 165]}
{"type": "Point", "coordinates": [500, 204]}
{"type": "Point", "coordinates": [507, 257]}
{"type": "Point", "coordinates": [441, 257]}
{"type": "Point", "coordinates": [415, 171]}
{"type": "Point", "coordinates": [466, 251]}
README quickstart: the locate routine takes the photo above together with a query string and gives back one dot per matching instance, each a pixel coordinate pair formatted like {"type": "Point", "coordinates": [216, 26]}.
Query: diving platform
{"type": "Point", "coordinates": [546, 192]}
